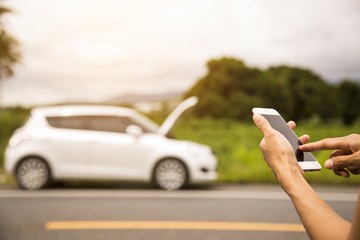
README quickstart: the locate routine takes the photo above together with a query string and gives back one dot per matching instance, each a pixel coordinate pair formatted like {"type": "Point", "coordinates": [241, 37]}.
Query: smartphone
{"type": "Point", "coordinates": [306, 160]}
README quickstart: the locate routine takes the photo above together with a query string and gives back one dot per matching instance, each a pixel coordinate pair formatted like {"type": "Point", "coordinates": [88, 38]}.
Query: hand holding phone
{"type": "Point", "coordinates": [305, 159]}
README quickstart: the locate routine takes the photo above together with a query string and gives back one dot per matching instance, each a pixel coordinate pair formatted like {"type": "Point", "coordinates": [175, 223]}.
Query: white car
{"type": "Point", "coordinates": [105, 143]}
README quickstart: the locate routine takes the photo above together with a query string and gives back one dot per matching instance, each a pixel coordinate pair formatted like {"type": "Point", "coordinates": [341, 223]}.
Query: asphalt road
{"type": "Point", "coordinates": [221, 212]}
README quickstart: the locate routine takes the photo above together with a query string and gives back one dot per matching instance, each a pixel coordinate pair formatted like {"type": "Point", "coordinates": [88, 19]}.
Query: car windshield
{"type": "Point", "coordinates": [147, 124]}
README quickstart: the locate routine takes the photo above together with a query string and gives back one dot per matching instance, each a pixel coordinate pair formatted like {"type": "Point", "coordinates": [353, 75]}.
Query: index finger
{"type": "Point", "coordinates": [324, 144]}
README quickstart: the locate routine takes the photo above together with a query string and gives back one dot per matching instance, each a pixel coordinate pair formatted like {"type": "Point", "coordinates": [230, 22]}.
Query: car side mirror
{"type": "Point", "coordinates": [134, 130]}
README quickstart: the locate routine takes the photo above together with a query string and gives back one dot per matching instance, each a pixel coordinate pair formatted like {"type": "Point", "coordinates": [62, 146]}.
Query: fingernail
{"type": "Point", "coordinates": [329, 164]}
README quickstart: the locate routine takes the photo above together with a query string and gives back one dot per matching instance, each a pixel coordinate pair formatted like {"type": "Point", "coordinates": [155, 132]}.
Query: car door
{"type": "Point", "coordinates": [115, 154]}
{"type": "Point", "coordinates": [67, 144]}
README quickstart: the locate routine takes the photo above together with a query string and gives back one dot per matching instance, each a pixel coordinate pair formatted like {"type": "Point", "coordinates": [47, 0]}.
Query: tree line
{"type": "Point", "coordinates": [230, 89]}
{"type": "Point", "coordinates": [9, 50]}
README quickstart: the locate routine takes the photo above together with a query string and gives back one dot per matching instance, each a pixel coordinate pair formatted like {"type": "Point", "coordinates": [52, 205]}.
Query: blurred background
{"type": "Point", "coordinates": [300, 57]}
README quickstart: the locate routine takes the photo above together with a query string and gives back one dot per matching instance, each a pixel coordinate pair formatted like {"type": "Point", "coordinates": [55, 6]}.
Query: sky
{"type": "Point", "coordinates": [95, 50]}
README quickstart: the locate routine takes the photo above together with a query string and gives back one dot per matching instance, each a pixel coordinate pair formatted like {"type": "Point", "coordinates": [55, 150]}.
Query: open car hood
{"type": "Point", "coordinates": [176, 113]}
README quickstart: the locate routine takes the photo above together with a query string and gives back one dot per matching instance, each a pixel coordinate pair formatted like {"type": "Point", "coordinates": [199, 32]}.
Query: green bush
{"type": "Point", "coordinates": [230, 89]}
{"type": "Point", "coordinates": [10, 120]}
{"type": "Point", "coordinates": [236, 145]}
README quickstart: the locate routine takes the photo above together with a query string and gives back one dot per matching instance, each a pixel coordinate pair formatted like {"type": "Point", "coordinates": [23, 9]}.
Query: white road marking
{"type": "Point", "coordinates": [195, 194]}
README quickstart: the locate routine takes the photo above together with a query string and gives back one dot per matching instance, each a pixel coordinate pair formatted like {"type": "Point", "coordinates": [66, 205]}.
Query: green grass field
{"type": "Point", "coordinates": [236, 145]}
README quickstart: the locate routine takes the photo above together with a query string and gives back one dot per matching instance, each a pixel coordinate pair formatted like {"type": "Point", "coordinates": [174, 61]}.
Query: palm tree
{"type": "Point", "coordinates": [9, 52]}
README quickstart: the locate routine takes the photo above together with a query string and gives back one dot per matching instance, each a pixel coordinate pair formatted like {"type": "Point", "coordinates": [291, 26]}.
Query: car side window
{"type": "Point", "coordinates": [71, 122]}
{"type": "Point", "coordinates": [93, 123]}
{"type": "Point", "coordinates": [108, 123]}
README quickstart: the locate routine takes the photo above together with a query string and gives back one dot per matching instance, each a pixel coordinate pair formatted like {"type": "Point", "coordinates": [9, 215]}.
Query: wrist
{"type": "Point", "coordinates": [290, 179]}
{"type": "Point", "coordinates": [291, 184]}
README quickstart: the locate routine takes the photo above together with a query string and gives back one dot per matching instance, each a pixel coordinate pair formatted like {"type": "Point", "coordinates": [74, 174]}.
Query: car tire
{"type": "Point", "coordinates": [170, 174]}
{"type": "Point", "coordinates": [33, 173]}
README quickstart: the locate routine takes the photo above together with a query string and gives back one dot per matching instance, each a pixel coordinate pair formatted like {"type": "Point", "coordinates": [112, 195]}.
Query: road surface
{"type": "Point", "coordinates": [221, 212]}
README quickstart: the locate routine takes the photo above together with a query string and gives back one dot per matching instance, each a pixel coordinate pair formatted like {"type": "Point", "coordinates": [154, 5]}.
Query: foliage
{"type": "Point", "coordinates": [231, 89]}
{"type": "Point", "coordinates": [10, 120]}
{"type": "Point", "coordinates": [9, 49]}
{"type": "Point", "coordinates": [9, 53]}
{"type": "Point", "coordinates": [236, 145]}
{"type": "Point", "coordinates": [350, 98]}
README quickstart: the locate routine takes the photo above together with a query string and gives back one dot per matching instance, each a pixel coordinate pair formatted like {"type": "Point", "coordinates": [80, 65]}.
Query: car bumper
{"type": "Point", "coordinates": [9, 162]}
{"type": "Point", "coordinates": [204, 175]}
{"type": "Point", "coordinates": [207, 178]}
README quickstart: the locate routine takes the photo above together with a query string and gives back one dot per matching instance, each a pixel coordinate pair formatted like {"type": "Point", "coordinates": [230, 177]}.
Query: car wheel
{"type": "Point", "coordinates": [170, 174]}
{"type": "Point", "coordinates": [33, 173]}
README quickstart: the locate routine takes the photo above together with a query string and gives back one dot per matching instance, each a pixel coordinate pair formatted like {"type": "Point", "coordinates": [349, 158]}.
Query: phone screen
{"type": "Point", "coordinates": [279, 124]}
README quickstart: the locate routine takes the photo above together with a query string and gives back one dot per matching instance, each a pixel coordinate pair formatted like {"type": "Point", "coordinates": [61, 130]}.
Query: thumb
{"type": "Point", "coordinates": [341, 162]}
{"type": "Point", "coordinates": [262, 124]}
{"type": "Point", "coordinates": [347, 161]}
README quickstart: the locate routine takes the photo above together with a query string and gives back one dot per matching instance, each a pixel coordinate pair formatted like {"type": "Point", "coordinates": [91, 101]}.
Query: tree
{"type": "Point", "coordinates": [9, 52]}
{"type": "Point", "coordinates": [230, 89]}
{"type": "Point", "coordinates": [301, 93]}
{"type": "Point", "coordinates": [349, 92]}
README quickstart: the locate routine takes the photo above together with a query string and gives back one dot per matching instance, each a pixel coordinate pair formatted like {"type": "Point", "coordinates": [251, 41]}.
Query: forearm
{"type": "Point", "coordinates": [319, 220]}
{"type": "Point", "coordinates": [355, 229]}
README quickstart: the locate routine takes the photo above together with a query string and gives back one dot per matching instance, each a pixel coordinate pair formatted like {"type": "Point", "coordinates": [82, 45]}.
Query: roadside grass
{"type": "Point", "coordinates": [236, 145]}
{"type": "Point", "coordinates": [6, 180]}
